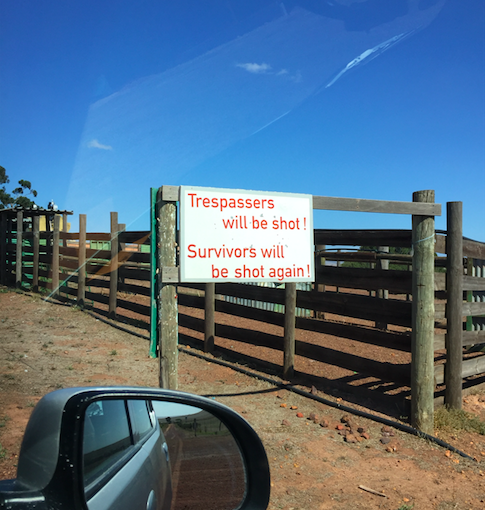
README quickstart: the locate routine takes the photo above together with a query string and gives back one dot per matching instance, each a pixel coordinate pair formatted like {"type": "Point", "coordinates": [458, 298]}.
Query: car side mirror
{"type": "Point", "coordinates": [119, 447]}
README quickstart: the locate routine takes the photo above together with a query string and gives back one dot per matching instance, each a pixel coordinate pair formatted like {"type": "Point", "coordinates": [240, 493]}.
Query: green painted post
{"type": "Point", "coordinates": [153, 273]}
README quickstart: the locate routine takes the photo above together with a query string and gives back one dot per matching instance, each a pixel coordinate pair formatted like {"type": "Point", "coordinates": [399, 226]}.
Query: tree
{"type": "Point", "coordinates": [18, 196]}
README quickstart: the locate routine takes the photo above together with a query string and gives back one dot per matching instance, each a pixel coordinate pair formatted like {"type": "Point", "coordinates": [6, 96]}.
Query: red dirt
{"type": "Point", "coordinates": [44, 346]}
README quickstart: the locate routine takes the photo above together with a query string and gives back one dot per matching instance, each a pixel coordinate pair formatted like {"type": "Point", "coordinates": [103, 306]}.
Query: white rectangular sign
{"type": "Point", "coordinates": [245, 236]}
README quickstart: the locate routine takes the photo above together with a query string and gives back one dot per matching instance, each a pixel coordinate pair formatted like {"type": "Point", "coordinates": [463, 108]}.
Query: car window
{"type": "Point", "coordinates": [141, 421]}
{"type": "Point", "coordinates": [106, 437]}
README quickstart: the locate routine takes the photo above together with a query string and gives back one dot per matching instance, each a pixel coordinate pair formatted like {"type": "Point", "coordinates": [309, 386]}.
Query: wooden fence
{"type": "Point", "coordinates": [107, 271]}
{"type": "Point", "coordinates": [364, 305]}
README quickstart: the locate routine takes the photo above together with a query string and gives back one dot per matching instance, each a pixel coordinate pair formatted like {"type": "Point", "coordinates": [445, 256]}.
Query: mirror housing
{"type": "Point", "coordinates": [50, 472]}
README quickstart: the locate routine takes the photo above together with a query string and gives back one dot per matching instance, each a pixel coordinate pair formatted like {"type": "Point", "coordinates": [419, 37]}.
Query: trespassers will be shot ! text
{"type": "Point", "coordinates": [230, 203]}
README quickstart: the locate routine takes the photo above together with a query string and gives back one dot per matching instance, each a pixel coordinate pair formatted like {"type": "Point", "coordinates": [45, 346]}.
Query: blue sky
{"type": "Point", "coordinates": [99, 101]}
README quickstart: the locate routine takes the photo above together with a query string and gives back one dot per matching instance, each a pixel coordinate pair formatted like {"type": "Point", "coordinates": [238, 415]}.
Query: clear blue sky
{"type": "Point", "coordinates": [101, 100]}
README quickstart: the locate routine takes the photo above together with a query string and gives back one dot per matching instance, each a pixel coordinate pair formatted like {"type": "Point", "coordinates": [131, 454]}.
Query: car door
{"type": "Point", "coordinates": [125, 466]}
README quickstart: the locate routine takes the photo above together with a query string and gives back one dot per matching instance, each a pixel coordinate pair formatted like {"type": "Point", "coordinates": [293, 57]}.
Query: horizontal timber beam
{"type": "Point", "coordinates": [376, 206]}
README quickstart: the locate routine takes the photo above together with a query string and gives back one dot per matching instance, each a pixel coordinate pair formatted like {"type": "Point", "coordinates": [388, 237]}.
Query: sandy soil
{"type": "Point", "coordinates": [45, 346]}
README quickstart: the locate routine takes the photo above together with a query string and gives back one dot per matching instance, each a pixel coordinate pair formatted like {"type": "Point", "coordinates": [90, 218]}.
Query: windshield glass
{"type": "Point", "coordinates": [349, 98]}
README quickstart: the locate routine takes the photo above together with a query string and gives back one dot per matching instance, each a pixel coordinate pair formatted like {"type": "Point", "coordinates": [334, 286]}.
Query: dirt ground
{"type": "Point", "coordinates": [45, 346]}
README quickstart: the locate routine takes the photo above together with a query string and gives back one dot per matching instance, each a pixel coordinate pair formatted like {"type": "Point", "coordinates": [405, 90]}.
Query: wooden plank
{"type": "Point", "coordinates": [439, 282]}
{"type": "Point", "coordinates": [395, 281]}
{"type": "Point", "coordinates": [192, 301]}
{"type": "Point", "coordinates": [55, 255]}
{"type": "Point", "coordinates": [473, 249]}
{"type": "Point", "coordinates": [113, 275]}
{"type": "Point", "coordinates": [98, 236]}
{"type": "Point", "coordinates": [36, 246]}
{"type": "Point", "coordinates": [352, 237]}
{"type": "Point", "coordinates": [375, 206]}
{"type": "Point", "coordinates": [454, 319]}
{"type": "Point", "coordinates": [209, 317]}
{"type": "Point", "coordinates": [134, 257]}
{"type": "Point", "coordinates": [289, 332]}
{"type": "Point", "coordinates": [473, 309]}
{"type": "Point", "coordinates": [439, 342]}
{"type": "Point", "coordinates": [90, 254]}
{"type": "Point", "coordinates": [473, 337]}
{"type": "Point", "coordinates": [365, 256]}
{"type": "Point", "coordinates": [170, 193]}
{"type": "Point", "coordinates": [471, 367]}
{"type": "Point", "coordinates": [69, 236]}
{"type": "Point", "coordinates": [18, 250]}
{"type": "Point", "coordinates": [81, 289]}
{"type": "Point", "coordinates": [440, 243]}
{"type": "Point", "coordinates": [135, 237]}
{"type": "Point", "coordinates": [167, 298]}
{"type": "Point", "coordinates": [383, 291]}
{"type": "Point", "coordinates": [422, 376]}
{"type": "Point", "coordinates": [439, 311]}
{"type": "Point", "coordinates": [473, 283]}
{"type": "Point", "coordinates": [3, 248]}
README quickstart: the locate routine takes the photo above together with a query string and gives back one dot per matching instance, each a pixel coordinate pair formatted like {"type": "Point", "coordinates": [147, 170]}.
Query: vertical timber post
{"type": "Point", "coordinates": [36, 250]}
{"type": "Point", "coordinates": [3, 248]}
{"type": "Point", "coordinates": [422, 342]}
{"type": "Point", "coordinates": [209, 319]}
{"type": "Point", "coordinates": [113, 280]}
{"type": "Point", "coordinates": [121, 248]}
{"type": "Point", "coordinates": [382, 293]}
{"type": "Point", "coordinates": [454, 306]}
{"type": "Point", "coordinates": [55, 256]}
{"type": "Point", "coordinates": [168, 313]}
{"type": "Point", "coordinates": [64, 245]}
{"type": "Point", "coordinates": [20, 242]}
{"type": "Point", "coordinates": [289, 336]}
{"type": "Point", "coordinates": [81, 262]}
{"type": "Point", "coordinates": [318, 286]}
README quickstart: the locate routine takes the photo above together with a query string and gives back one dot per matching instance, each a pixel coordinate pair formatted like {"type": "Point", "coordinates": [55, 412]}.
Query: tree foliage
{"type": "Point", "coordinates": [18, 196]}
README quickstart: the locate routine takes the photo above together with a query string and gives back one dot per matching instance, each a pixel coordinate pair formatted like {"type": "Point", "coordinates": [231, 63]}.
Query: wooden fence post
{"type": "Point", "coordinates": [317, 286]}
{"type": "Point", "coordinates": [121, 247]}
{"type": "Point", "coordinates": [382, 293]}
{"type": "Point", "coordinates": [55, 256]}
{"type": "Point", "coordinates": [422, 343]}
{"type": "Point", "coordinates": [289, 336]}
{"type": "Point", "coordinates": [209, 319]}
{"type": "Point", "coordinates": [18, 258]}
{"type": "Point", "coordinates": [36, 250]}
{"type": "Point", "coordinates": [81, 262]}
{"type": "Point", "coordinates": [3, 249]}
{"type": "Point", "coordinates": [113, 280]}
{"type": "Point", "coordinates": [168, 314]}
{"type": "Point", "coordinates": [454, 305]}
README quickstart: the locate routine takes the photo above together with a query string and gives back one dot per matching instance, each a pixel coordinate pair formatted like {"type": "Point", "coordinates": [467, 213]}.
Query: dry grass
{"type": "Point", "coordinates": [456, 419]}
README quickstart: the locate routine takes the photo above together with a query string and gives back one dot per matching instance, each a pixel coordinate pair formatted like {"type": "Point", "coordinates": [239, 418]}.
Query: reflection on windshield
{"type": "Point", "coordinates": [164, 125]}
